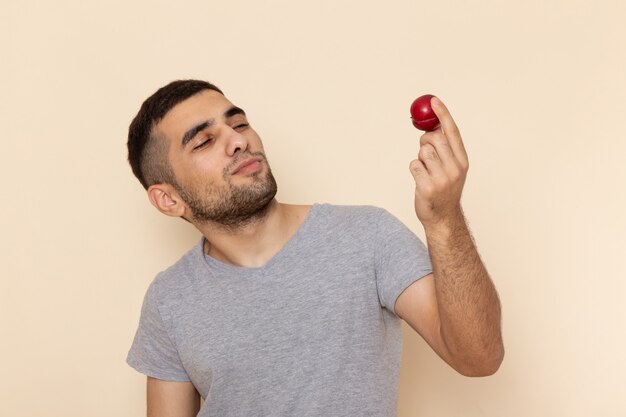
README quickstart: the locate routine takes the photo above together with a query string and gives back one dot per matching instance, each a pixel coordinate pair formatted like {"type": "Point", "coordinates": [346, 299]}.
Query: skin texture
{"type": "Point", "coordinates": [455, 309]}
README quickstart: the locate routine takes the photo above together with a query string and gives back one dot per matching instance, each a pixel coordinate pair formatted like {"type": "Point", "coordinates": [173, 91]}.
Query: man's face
{"type": "Point", "coordinates": [218, 160]}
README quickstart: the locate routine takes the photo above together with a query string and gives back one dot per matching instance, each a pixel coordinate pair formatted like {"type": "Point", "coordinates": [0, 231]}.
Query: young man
{"type": "Point", "coordinates": [288, 310]}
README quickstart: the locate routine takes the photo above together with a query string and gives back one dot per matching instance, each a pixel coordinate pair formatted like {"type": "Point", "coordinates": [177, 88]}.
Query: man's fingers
{"type": "Point", "coordinates": [430, 159]}
{"type": "Point", "coordinates": [419, 172]}
{"type": "Point", "coordinates": [424, 185]}
{"type": "Point", "coordinates": [450, 129]}
{"type": "Point", "coordinates": [440, 143]}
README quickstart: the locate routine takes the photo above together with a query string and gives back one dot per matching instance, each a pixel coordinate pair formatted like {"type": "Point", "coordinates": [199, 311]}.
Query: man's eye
{"type": "Point", "coordinates": [203, 143]}
{"type": "Point", "coordinates": [241, 126]}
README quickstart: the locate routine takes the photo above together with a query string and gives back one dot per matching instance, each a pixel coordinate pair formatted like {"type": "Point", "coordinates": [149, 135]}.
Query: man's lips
{"type": "Point", "coordinates": [247, 166]}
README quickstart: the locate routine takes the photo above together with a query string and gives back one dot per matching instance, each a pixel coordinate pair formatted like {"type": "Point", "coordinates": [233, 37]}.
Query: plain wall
{"type": "Point", "coordinates": [537, 88]}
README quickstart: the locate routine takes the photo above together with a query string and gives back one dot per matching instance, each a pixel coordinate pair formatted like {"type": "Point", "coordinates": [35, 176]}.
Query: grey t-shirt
{"type": "Point", "coordinates": [311, 333]}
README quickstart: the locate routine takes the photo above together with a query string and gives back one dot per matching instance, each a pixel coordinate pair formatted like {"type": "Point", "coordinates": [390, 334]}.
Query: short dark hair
{"type": "Point", "coordinates": [147, 153]}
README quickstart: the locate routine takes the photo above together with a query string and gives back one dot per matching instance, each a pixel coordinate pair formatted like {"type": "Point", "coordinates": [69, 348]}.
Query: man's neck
{"type": "Point", "coordinates": [254, 243]}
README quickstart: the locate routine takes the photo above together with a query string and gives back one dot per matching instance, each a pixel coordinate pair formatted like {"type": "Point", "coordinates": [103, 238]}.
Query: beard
{"type": "Point", "coordinates": [229, 205]}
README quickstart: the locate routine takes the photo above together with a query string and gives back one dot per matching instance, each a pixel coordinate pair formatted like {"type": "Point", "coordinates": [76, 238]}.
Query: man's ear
{"type": "Point", "coordinates": [165, 198]}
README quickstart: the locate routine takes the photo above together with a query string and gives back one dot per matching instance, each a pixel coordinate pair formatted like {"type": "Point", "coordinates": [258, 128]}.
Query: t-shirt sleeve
{"type": "Point", "coordinates": [152, 352]}
{"type": "Point", "coordinates": [401, 259]}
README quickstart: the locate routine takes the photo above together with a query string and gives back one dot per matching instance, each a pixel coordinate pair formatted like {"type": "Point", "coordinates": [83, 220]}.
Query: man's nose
{"type": "Point", "coordinates": [236, 142]}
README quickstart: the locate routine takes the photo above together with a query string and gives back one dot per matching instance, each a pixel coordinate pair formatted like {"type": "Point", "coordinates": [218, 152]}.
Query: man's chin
{"type": "Point", "coordinates": [246, 204]}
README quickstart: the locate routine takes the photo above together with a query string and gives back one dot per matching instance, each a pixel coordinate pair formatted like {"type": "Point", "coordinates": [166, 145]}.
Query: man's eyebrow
{"type": "Point", "coordinates": [191, 133]}
{"type": "Point", "coordinates": [194, 130]}
{"type": "Point", "coordinates": [233, 111]}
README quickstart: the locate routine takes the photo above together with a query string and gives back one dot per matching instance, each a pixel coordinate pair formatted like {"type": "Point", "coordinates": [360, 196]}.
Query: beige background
{"type": "Point", "coordinates": [537, 88]}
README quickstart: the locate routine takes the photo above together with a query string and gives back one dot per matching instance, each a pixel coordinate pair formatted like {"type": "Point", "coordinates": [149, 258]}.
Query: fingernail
{"type": "Point", "coordinates": [436, 102]}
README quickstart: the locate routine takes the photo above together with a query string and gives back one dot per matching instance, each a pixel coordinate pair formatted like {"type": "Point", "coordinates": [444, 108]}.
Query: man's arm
{"type": "Point", "coordinates": [457, 309]}
{"type": "Point", "coordinates": [172, 399]}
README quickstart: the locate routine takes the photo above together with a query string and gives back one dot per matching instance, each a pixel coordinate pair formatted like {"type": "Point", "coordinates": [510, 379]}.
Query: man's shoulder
{"type": "Point", "coordinates": [183, 270]}
{"type": "Point", "coordinates": [354, 221]}
{"type": "Point", "coordinates": [352, 215]}
{"type": "Point", "coordinates": [343, 212]}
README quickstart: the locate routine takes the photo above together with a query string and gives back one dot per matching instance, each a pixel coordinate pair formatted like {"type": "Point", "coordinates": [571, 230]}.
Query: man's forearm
{"type": "Point", "coordinates": [468, 303]}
